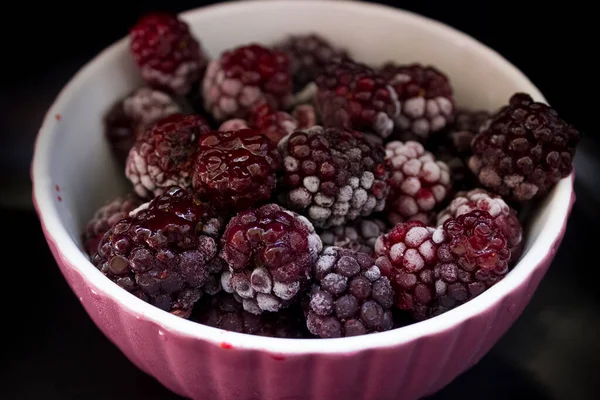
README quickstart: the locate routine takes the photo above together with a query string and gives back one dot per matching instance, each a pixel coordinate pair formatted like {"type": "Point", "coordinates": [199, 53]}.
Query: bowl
{"type": "Point", "coordinates": [73, 173]}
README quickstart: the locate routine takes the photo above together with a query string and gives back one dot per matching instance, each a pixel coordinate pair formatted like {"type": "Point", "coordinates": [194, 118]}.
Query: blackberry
{"type": "Point", "coordinates": [504, 216]}
{"type": "Point", "coordinates": [223, 311]}
{"type": "Point", "coordinates": [425, 96]}
{"type": "Point", "coordinates": [407, 255]}
{"type": "Point", "coordinates": [333, 175]}
{"type": "Point", "coordinates": [105, 217]}
{"type": "Point", "coordinates": [472, 257]}
{"type": "Point", "coordinates": [418, 182]}
{"type": "Point", "coordinates": [235, 169]}
{"type": "Point", "coordinates": [523, 150]}
{"type": "Point", "coordinates": [305, 115]}
{"type": "Point", "coordinates": [133, 114]}
{"type": "Point", "coordinates": [245, 77]}
{"type": "Point", "coordinates": [168, 55]}
{"type": "Point", "coordinates": [272, 123]}
{"type": "Point", "coordinates": [352, 95]}
{"type": "Point", "coordinates": [163, 155]}
{"type": "Point", "coordinates": [358, 236]}
{"type": "Point", "coordinates": [233, 125]}
{"type": "Point", "coordinates": [349, 296]}
{"type": "Point", "coordinates": [270, 252]}
{"type": "Point", "coordinates": [166, 253]}
{"type": "Point", "coordinates": [309, 54]}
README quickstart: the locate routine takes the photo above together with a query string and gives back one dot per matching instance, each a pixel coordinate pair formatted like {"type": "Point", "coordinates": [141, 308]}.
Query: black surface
{"type": "Point", "coordinates": [52, 350]}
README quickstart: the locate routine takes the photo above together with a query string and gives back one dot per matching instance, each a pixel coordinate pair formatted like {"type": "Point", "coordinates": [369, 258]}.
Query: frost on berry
{"type": "Point", "coordinates": [333, 175]}
{"type": "Point", "coordinates": [349, 296]}
{"type": "Point", "coordinates": [244, 77]}
{"type": "Point", "coordinates": [234, 124]}
{"type": "Point", "coordinates": [425, 96]}
{"type": "Point", "coordinates": [352, 95]}
{"type": "Point", "coordinates": [235, 169]}
{"type": "Point", "coordinates": [163, 156]}
{"type": "Point", "coordinates": [523, 150]}
{"type": "Point", "coordinates": [359, 235]}
{"type": "Point", "coordinates": [270, 252]}
{"type": "Point", "coordinates": [407, 256]}
{"type": "Point", "coordinates": [166, 253]}
{"type": "Point", "coordinates": [418, 182]}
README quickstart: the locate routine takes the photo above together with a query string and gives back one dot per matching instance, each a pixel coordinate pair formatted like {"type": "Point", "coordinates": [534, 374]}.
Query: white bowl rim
{"type": "Point", "coordinates": [56, 233]}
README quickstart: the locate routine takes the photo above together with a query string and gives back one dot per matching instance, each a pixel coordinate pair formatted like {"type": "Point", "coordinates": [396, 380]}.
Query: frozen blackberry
{"type": "Point", "coordinates": [352, 95]}
{"type": "Point", "coordinates": [305, 115]}
{"type": "Point", "coordinates": [244, 77]}
{"type": "Point", "coordinates": [523, 150]}
{"type": "Point", "coordinates": [407, 255]}
{"type": "Point", "coordinates": [133, 114]}
{"type": "Point", "coordinates": [166, 253]}
{"type": "Point", "coordinates": [504, 216]}
{"type": "Point", "coordinates": [105, 217]}
{"type": "Point", "coordinates": [166, 52]}
{"type": "Point", "coordinates": [425, 96]}
{"type": "Point", "coordinates": [223, 311]}
{"type": "Point", "coordinates": [309, 54]}
{"type": "Point", "coordinates": [349, 296]}
{"type": "Point", "coordinates": [333, 175]}
{"type": "Point", "coordinates": [235, 169]}
{"type": "Point", "coordinates": [358, 236]}
{"type": "Point", "coordinates": [270, 252]}
{"type": "Point", "coordinates": [163, 155]}
{"type": "Point", "coordinates": [472, 256]}
{"type": "Point", "coordinates": [272, 123]}
{"type": "Point", "coordinates": [418, 182]}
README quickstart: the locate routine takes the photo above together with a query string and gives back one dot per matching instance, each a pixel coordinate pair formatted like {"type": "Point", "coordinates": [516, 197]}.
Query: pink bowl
{"type": "Point", "coordinates": [73, 173]}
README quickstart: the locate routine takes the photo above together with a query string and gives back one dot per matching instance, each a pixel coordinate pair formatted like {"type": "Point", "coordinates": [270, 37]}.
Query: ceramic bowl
{"type": "Point", "coordinates": [73, 173]}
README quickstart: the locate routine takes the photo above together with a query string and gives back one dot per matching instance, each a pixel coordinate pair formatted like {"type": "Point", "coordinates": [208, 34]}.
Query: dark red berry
{"type": "Point", "coordinates": [352, 95]}
{"type": "Point", "coordinates": [407, 255]}
{"type": "Point", "coordinates": [349, 296]}
{"type": "Point", "coordinates": [164, 154]}
{"type": "Point", "coordinates": [133, 114]}
{"type": "Point", "coordinates": [333, 175]}
{"type": "Point", "coordinates": [244, 77]}
{"type": "Point", "coordinates": [523, 150]}
{"type": "Point", "coordinates": [105, 217]}
{"type": "Point", "coordinates": [166, 253]}
{"type": "Point", "coordinates": [418, 182]}
{"type": "Point", "coordinates": [309, 54]}
{"type": "Point", "coordinates": [235, 169]}
{"type": "Point", "coordinates": [270, 252]}
{"type": "Point", "coordinates": [425, 96]}
{"type": "Point", "coordinates": [223, 311]}
{"type": "Point", "coordinates": [166, 52]}
{"type": "Point", "coordinates": [272, 123]}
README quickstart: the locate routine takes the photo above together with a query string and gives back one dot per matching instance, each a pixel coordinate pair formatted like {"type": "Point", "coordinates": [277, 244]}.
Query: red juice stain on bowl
{"type": "Point", "coordinates": [57, 116]}
{"type": "Point", "coordinates": [225, 345]}
{"type": "Point", "coordinates": [57, 188]}
{"type": "Point", "coordinates": [59, 198]}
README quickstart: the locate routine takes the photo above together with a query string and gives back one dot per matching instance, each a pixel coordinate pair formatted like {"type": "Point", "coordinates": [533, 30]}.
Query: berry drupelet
{"type": "Point", "coordinates": [105, 217]}
{"type": "Point", "coordinates": [166, 52]}
{"type": "Point", "coordinates": [244, 77]}
{"type": "Point", "coordinates": [270, 252]}
{"type": "Point", "coordinates": [523, 150]}
{"type": "Point", "coordinates": [133, 114]}
{"type": "Point", "coordinates": [164, 154]}
{"type": "Point", "coordinates": [425, 96]}
{"type": "Point", "coordinates": [235, 169]}
{"type": "Point", "coordinates": [166, 253]}
{"type": "Point", "coordinates": [352, 95]}
{"type": "Point", "coordinates": [223, 311]}
{"type": "Point", "coordinates": [359, 235]}
{"type": "Point", "coordinates": [333, 175]}
{"type": "Point", "coordinates": [272, 123]}
{"type": "Point", "coordinates": [418, 182]}
{"type": "Point", "coordinates": [349, 296]}
{"type": "Point", "coordinates": [309, 54]}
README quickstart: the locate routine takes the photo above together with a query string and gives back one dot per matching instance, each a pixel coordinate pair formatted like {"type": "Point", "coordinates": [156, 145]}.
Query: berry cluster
{"type": "Point", "coordinates": [310, 194]}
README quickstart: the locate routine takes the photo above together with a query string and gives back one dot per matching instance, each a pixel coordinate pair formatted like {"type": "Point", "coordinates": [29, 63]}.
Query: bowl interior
{"type": "Point", "coordinates": [74, 172]}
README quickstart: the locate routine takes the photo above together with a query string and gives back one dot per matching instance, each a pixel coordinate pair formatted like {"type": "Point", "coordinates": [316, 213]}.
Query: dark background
{"type": "Point", "coordinates": [53, 350]}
